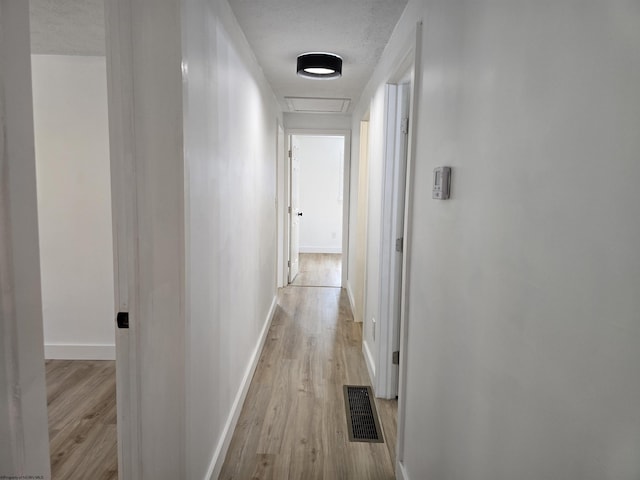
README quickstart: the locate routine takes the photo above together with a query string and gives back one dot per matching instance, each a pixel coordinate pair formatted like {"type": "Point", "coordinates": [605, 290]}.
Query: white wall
{"type": "Point", "coordinates": [74, 205]}
{"type": "Point", "coordinates": [24, 439]}
{"type": "Point", "coordinates": [374, 231]}
{"type": "Point", "coordinates": [193, 128]}
{"type": "Point", "coordinates": [523, 301]}
{"type": "Point", "coordinates": [230, 163]}
{"type": "Point", "coordinates": [321, 192]}
{"type": "Point", "coordinates": [358, 245]}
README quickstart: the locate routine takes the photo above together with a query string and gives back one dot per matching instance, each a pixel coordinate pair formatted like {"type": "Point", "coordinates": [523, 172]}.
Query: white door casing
{"type": "Point", "coordinates": [24, 439]}
{"type": "Point", "coordinates": [391, 248]}
{"type": "Point", "coordinates": [294, 212]}
{"type": "Point", "coordinates": [281, 217]}
{"type": "Point", "coordinates": [123, 199]}
{"type": "Point", "coordinates": [402, 136]}
{"type": "Point", "coordinates": [414, 98]}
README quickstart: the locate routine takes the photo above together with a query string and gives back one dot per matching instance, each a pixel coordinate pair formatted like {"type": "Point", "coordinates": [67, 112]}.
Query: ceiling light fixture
{"type": "Point", "coordinates": [319, 65]}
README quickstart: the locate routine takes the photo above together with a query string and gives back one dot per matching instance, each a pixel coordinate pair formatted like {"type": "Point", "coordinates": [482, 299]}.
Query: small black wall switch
{"type": "Point", "coordinates": [123, 319]}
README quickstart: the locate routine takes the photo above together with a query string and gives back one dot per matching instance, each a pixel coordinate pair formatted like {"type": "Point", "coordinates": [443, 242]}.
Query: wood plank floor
{"type": "Point", "coordinates": [293, 423]}
{"type": "Point", "coordinates": [319, 270]}
{"type": "Point", "coordinates": [81, 398]}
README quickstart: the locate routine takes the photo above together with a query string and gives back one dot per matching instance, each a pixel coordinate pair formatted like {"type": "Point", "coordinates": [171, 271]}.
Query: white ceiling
{"type": "Point", "coordinates": [277, 30]}
{"type": "Point", "coordinates": [67, 27]}
{"type": "Point", "coordinates": [280, 30]}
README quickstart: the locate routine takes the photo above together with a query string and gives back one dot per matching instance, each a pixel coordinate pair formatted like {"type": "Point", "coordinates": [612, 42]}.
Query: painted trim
{"type": "Point", "coordinates": [286, 203]}
{"type": "Point", "coordinates": [352, 303]}
{"type": "Point", "coordinates": [320, 250]}
{"type": "Point", "coordinates": [346, 207]}
{"type": "Point", "coordinates": [387, 281]}
{"type": "Point", "coordinates": [23, 408]}
{"type": "Point", "coordinates": [371, 366]}
{"type": "Point", "coordinates": [215, 467]}
{"type": "Point", "coordinates": [416, 85]}
{"type": "Point", "coordinates": [69, 351]}
{"type": "Point", "coordinates": [282, 217]}
{"type": "Point", "coordinates": [401, 471]}
{"type": "Point", "coordinates": [397, 99]}
{"type": "Point", "coordinates": [124, 208]}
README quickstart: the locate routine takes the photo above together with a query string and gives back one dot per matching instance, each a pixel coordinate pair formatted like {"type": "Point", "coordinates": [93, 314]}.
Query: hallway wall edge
{"type": "Point", "coordinates": [232, 420]}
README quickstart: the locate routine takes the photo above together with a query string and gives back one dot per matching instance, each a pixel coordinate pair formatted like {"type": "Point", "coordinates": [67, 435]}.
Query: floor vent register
{"type": "Point", "coordinates": [362, 417]}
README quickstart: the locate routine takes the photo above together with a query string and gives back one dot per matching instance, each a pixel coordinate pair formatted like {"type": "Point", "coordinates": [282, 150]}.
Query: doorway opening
{"type": "Point", "coordinates": [317, 208]}
{"type": "Point", "coordinates": [71, 137]}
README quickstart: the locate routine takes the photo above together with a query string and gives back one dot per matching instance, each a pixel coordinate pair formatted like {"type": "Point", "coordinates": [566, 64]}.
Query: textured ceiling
{"type": "Point", "coordinates": [277, 30]}
{"type": "Point", "coordinates": [67, 27]}
{"type": "Point", "coordinates": [280, 30]}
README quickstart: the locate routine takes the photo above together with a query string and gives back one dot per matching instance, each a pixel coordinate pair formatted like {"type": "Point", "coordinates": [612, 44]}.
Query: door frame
{"type": "Point", "coordinates": [415, 55]}
{"type": "Point", "coordinates": [393, 208]}
{"type": "Point", "coordinates": [119, 50]}
{"type": "Point", "coordinates": [293, 213]}
{"type": "Point", "coordinates": [281, 217]}
{"type": "Point", "coordinates": [24, 446]}
{"type": "Point", "coordinates": [285, 200]}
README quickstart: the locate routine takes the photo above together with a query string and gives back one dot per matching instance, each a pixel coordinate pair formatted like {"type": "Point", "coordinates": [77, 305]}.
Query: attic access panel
{"type": "Point", "coordinates": [318, 105]}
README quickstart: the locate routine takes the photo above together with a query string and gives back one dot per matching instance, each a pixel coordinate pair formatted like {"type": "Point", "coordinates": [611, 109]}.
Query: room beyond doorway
{"type": "Point", "coordinates": [317, 207]}
{"type": "Point", "coordinates": [81, 399]}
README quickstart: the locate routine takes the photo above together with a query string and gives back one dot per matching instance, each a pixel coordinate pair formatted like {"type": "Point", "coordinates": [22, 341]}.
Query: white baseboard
{"type": "Point", "coordinates": [368, 359]}
{"type": "Point", "coordinates": [56, 351]}
{"type": "Point", "coordinates": [223, 445]}
{"type": "Point", "coordinates": [352, 302]}
{"type": "Point", "coordinates": [401, 472]}
{"type": "Point", "coordinates": [320, 250]}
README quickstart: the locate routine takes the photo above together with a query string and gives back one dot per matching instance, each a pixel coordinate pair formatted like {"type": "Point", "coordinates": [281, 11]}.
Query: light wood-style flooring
{"type": "Point", "coordinates": [293, 423]}
{"type": "Point", "coordinates": [81, 397]}
{"type": "Point", "coordinates": [319, 270]}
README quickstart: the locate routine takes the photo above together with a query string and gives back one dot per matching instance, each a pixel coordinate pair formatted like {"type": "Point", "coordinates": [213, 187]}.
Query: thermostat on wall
{"type": "Point", "coordinates": [441, 183]}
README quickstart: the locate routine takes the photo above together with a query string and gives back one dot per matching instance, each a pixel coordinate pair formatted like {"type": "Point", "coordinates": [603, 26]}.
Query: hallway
{"type": "Point", "coordinates": [519, 334]}
{"type": "Point", "coordinates": [319, 270]}
{"type": "Point", "coordinates": [293, 421]}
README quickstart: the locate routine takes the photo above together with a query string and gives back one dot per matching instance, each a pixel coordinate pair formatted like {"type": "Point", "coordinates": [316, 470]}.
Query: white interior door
{"type": "Point", "coordinates": [24, 439]}
{"type": "Point", "coordinates": [294, 211]}
{"type": "Point", "coordinates": [401, 165]}
{"type": "Point", "coordinates": [123, 199]}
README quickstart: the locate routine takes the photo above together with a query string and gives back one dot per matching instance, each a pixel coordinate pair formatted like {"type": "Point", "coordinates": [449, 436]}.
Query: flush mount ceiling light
{"type": "Point", "coordinates": [319, 65]}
